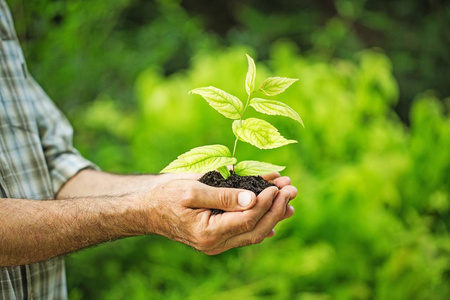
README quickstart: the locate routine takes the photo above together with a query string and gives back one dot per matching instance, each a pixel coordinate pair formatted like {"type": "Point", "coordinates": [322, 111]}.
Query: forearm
{"type": "Point", "coordinates": [91, 208]}
{"type": "Point", "coordinates": [97, 183]}
{"type": "Point", "coordinates": [32, 231]}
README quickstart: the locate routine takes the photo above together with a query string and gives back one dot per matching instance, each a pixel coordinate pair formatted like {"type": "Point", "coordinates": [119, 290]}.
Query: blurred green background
{"type": "Point", "coordinates": [372, 165]}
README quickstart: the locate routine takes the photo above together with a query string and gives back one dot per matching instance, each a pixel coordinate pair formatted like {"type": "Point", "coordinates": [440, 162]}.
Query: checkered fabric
{"type": "Point", "coordinates": [36, 159]}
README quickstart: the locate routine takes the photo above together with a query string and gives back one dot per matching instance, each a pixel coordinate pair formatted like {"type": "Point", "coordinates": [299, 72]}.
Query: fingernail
{"type": "Point", "coordinates": [244, 199]}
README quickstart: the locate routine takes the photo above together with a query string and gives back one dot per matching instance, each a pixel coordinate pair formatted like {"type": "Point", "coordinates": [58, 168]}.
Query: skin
{"type": "Point", "coordinates": [95, 207]}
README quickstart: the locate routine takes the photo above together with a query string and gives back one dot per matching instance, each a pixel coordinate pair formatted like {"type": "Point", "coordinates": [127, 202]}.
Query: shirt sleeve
{"type": "Point", "coordinates": [56, 133]}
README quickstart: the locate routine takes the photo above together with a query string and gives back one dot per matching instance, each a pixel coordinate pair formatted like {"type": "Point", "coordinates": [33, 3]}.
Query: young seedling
{"type": "Point", "coordinates": [256, 132]}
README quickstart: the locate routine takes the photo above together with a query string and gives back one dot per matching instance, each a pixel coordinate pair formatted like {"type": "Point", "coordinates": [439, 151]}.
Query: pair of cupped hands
{"type": "Point", "coordinates": [184, 212]}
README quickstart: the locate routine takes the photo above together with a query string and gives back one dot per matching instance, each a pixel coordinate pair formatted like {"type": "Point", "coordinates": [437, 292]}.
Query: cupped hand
{"type": "Point", "coordinates": [180, 209]}
{"type": "Point", "coordinates": [283, 182]}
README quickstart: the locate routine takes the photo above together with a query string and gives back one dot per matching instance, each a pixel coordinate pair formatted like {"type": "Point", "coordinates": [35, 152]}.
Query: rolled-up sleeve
{"type": "Point", "coordinates": [56, 133]}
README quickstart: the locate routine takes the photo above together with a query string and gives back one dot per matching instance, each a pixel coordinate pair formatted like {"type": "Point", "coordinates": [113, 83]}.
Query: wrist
{"type": "Point", "coordinates": [139, 211]}
{"type": "Point", "coordinates": [131, 215]}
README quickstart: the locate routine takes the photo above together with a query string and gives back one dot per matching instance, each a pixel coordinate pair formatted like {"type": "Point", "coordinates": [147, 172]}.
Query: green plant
{"type": "Point", "coordinates": [254, 131]}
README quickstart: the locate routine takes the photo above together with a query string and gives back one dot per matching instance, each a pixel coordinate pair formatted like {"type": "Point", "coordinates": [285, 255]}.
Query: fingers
{"type": "Point", "coordinates": [271, 176]}
{"type": "Point", "coordinates": [248, 219]}
{"type": "Point", "coordinates": [282, 181]}
{"type": "Point", "coordinates": [277, 179]}
{"type": "Point", "coordinates": [271, 234]}
{"type": "Point", "coordinates": [289, 212]}
{"type": "Point", "coordinates": [292, 191]}
{"type": "Point", "coordinates": [200, 195]}
{"type": "Point", "coordinates": [234, 223]}
{"type": "Point", "coordinates": [264, 227]}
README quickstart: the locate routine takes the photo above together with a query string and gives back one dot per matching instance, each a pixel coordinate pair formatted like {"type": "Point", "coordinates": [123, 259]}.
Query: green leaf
{"type": "Point", "coordinates": [224, 171]}
{"type": "Point", "coordinates": [273, 107]}
{"type": "Point", "coordinates": [252, 168]}
{"type": "Point", "coordinates": [201, 159]}
{"type": "Point", "coordinates": [259, 133]}
{"type": "Point", "coordinates": [226, 104]}
{"type": "Point", "coordinates": [251, 76]}
{"type": "Point", "coordinates": [276, 85]}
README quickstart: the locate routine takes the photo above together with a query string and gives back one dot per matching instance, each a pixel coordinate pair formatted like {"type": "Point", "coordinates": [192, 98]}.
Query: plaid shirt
{"type": "Point", "coordinates": [36, 159]}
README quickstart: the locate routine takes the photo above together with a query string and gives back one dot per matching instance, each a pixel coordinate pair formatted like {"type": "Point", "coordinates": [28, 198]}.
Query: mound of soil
{"type": "Point", "coordinates": [255, 184]}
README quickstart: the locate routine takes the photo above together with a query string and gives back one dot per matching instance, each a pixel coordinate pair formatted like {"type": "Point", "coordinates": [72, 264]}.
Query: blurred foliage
{"type": "Point", "coordinates": [77, 49]}
{"type": "Point", "coordinates": [373, 216]}
{"type": "Point", "coordinates": [109, 43]}
{"type": "Point", "coordinates": [372, 219]}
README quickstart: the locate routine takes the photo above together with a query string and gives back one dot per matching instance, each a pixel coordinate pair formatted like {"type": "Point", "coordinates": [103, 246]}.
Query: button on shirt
{"type": "Point", "coordinates": [36, 159]}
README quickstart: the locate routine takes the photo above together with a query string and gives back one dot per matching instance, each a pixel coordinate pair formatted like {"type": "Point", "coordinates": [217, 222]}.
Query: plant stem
{"type": "Point", "coordinates": [234, 149]}
{"type": "Point", "coordinates": [246, 105]}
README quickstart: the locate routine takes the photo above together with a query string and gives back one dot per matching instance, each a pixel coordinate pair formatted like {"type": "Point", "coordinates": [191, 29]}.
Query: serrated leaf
{"type": "Point", "coordinates": [224, 171]}
{"type": "Point", "coordinates": [273, 107]}
{"type": "Point", "coordinates": [276, 85]}
{"type": "Point", "coordinates": [259, 133]}
{"type": "Point", "coordinates": [251, 76]}
{"type": "Point", "coordinates": [201, 159]}
{"type": "Point", "coordinates": [225, 103]}
{"type": "Point", "coordinates": [252, 168]}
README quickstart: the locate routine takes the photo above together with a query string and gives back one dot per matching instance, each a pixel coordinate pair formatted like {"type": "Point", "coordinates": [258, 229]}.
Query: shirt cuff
{"type": "Point", "coordinates": [66, 166]}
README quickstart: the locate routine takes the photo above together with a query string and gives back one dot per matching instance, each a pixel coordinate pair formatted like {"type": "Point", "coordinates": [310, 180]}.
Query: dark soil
{"type": "Point", "coordinates": [255, 184]}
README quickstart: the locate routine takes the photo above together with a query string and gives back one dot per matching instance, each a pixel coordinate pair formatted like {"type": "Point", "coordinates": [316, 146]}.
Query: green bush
{"type": "Point", "coordinates": [77, 48]}
{"type": "Point", "coordinates": [373, 210]}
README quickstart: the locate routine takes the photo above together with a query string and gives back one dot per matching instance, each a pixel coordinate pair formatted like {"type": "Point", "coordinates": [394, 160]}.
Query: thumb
{"type": "Point", "coordinates": [227, 199]}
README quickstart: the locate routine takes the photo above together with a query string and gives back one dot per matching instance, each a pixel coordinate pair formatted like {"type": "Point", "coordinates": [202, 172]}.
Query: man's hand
{"type": "Point", "coordinates": [181, 211]}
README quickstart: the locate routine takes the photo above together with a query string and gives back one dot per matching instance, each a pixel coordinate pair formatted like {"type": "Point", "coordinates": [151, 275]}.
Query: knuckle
{"type": "Point", "coordinates": [205, 242]}
{"type": "Point", "coordinates": [293, 190]}
{"type": "Point", "coordinates": [190, 194]}
{"type": "Point", "coordinates": [285, 193]}
{"type": "Point", "coordinates": [280, 215]}
{"type": "Point", "coordinates": [249, 224]}
{"type": "Point", "coordinates": [232, 231]}
{"type": "Point", "coordinates": [267, 204]}
{"type": "Point", "coordinates": [287, 180]}
{"type": "Point", "coordinates": [212, 252]}
{"type": "Point", "coordinates": [257, 239]}
{"type": "Point", "coordinates": [225, 198]}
